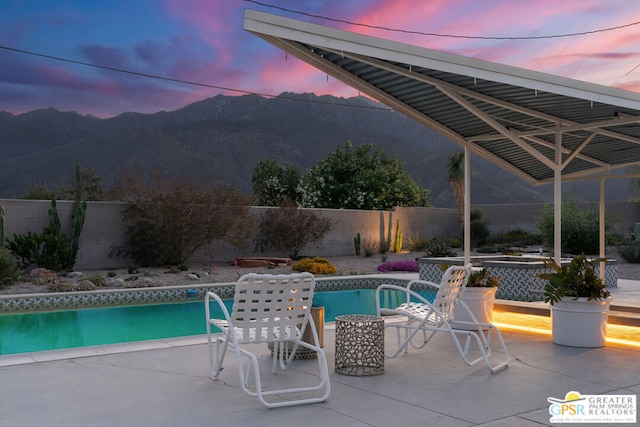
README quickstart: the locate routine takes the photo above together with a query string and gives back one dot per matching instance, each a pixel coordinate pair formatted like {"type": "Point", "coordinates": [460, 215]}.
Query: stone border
{"type": "Point", "coordinates": [28, 303]}
{"type": "Point", "coordinates": [519, 281]}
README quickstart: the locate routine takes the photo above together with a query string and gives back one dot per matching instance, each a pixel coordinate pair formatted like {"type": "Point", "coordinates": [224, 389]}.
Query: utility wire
{"type": "Point", "coordinates": [455, 36]}
{"type": "Point", "coordinates": [119, 70]}
{"type": "Point", "coordinates": [187, 82]}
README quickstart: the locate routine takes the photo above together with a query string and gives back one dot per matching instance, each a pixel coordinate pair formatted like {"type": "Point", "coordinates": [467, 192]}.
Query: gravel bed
{"type": "Point", "coordinates": [224, 273]}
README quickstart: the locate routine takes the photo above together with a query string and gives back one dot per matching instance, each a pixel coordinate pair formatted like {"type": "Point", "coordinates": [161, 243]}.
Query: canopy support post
{"type": "Point", "coordinates": [557, 201]}
{"type": "Point", "coordinates": [467, 205]}
{"type": "Point", "coordinates": [602, 230]}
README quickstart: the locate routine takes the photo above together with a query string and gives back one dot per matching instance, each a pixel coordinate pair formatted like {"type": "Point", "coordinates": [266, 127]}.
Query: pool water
{"type": "Point", "coordinates": [21, 333]}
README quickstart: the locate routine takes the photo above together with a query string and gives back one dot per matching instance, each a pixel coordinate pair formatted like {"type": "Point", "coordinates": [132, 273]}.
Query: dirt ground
{"type": "Point", "coordinates": [47, 281]}
{"type": "Point", "coordinates": [85, 280]}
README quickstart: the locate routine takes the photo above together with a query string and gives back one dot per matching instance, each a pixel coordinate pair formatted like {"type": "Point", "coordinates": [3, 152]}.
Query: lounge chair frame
{"type": "Point", "coordinates": [267, 309]}
{"type": "Point", "coordinates": [424, 319]}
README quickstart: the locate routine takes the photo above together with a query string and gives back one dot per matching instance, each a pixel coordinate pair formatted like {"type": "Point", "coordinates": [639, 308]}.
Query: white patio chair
{"type": "Point", "coordinates": [424, 319]}
{"type": "Point", "coordinates": [268, 309]}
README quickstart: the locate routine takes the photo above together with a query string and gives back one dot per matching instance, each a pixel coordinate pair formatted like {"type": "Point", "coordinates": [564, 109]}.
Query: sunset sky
{"type": "Point", "coordinates": [202, 41]}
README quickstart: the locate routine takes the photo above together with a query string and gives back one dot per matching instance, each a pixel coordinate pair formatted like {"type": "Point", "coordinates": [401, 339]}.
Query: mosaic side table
{"type": "Point", "coordinates": [359, 345]}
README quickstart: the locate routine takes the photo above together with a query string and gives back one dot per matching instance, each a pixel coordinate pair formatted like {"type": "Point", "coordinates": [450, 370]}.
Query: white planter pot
{"type": "Point", "coordinates": [480, 301]}
{"type": "Point", "coordinates": [580, 322]}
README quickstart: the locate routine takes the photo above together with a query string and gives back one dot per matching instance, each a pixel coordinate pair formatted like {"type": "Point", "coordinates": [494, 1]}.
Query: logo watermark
{"type": "Point", "coordinates": [596, 408]}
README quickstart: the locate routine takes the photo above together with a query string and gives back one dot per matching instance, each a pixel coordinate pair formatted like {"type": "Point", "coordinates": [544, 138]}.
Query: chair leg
{"type": "Point", "coordinates": [215, 363]}
{"type": "Point", "coordinates": [262, 395]}
{"type": "Point", "coordinates": [483, 343]}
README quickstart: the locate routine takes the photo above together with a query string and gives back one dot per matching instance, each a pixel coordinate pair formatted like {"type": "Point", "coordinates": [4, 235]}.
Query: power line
{"type": "Point", "coordinates": [120, 70]}
{"type": "Point", "coordinates": [455, 36]}
{"type": "Point", "coordinates": [187, 82]}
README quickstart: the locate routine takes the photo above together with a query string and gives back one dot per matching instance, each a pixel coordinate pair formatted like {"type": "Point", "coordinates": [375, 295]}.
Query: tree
{"type": "Point", "coordinates": [360, 178]}
{"type": "Point", "coordinates": [273, 183]}
{"type": "Point", "coordinates": [580, 227]}
{"type": "Point", "coordinates": [169, 219]}
{"type": "Point", "coordinates": [289, 229]}
{"type": "Point", "coordinates": [91, 183]}
{"type": "Point", "coordinates": [456, 180]}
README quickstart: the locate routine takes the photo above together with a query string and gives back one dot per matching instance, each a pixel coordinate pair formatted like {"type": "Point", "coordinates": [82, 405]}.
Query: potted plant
{"type": "Point", "coordinates": [579, 303]}
{"type": "Point", "coordinates": [479, 296]}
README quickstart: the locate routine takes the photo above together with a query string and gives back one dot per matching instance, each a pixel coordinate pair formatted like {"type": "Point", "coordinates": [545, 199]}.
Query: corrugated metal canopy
{"type": "Point", "coordinates": [510, 116]}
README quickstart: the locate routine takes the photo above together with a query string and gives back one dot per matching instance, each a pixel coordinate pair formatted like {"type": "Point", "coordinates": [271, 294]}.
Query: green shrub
{"type": "Point", "coordinates": [10, 271]}
{"type": "Point", "coordinates": [53, 249]}
{"type": "Point", "coordinates": [439, 248]}
{"type": "Point", "coordinates": [580, 228]}
{"type": "Point", "coordinates": [629, 250]}
{"type": "Point", "coordinates": [517, 237]}
{"type": "Point", "coordinates": [97, 280]}
{"type": "Point", "coordinates": [491, 249]}
{"type": "Point", "coordinates": [479, 228]}
{"type": "Point", "coordinates": [370, 248]}
{"type": "Point", "coordinates": [169, 219]}
{"type": "Point", "coordinates": [289, 229]}
{"type": "Point", "coordinates": [418, 243]}
{"type": "Point", "coordinates": [315, 265]}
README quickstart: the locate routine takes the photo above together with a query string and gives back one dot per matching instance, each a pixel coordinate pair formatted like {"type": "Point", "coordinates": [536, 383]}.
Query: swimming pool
{"type": "Point", "coordinates": [22, 333]}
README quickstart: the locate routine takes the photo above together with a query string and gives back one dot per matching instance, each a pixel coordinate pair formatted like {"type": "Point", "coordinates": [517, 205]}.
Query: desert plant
{"type": "Point", "coordinates": [575, 279]}
{"type": "Point", "coordinates": [315, 265]}
{"type": "Point", "coordinates": [482, 279]}
{"type": "Point", "coordinates": [629, 250]}
{"type": "Point", "coordinates": [356, 243]}
{"type": "Point", "coordinates": [580, 228]}
{"type": "Point", "coordinates": [53, 249]}
{"type": "Point", "coordinates": [385, 234]}
{"type": "Point", "coordinates": [370, 247]}
{"type": "Point", "coordinates": [169, 219]}
{"type": "Point", "coordinates": [479, 228]}
{"type": "Point", "coordinates": [403, 265]}
{"type": "Point", "coordinates": [491, 249]}
{"type": "Point", "coordinates": [397, 240]}
{"type": "Point", "coordinates": [10, 271]}
{"type": "Point", "coordinates": [517, 237]}
{"type": "Point", "coordinates": [289, 229]}
{"type": "Point", "coordinates": [418, 243]}
{"type": "Point", "coordinates": [438, 248]}
{"type": "Point", "coordinates": [97, 279]}
{"type": "Point", "coordinates": [1, 226]}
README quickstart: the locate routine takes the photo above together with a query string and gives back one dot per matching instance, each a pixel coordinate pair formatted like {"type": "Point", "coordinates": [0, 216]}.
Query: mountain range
{"type": "Point", "coordinates": [223, 137]}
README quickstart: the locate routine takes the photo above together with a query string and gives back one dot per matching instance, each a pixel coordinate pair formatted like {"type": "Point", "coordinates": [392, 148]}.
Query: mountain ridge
{"type": "Point", "coordinates": [222, 138]}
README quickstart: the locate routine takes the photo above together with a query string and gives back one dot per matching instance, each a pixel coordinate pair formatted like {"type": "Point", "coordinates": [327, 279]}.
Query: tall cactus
{"type": "Point", "coordinates": [69, 254]}
{"type": "Point", "coordinates": [79, 215]}
{"type": "Point", "coordinates": [397, 241]}
{"type": "Point", "coordinates": [54, 218]}
{"type": "Point", "coordinates": [356, 243]}
{"type": "Point", "coordinates": [385, 241]}
{"type": "Point", "coordinates": [1, 226]}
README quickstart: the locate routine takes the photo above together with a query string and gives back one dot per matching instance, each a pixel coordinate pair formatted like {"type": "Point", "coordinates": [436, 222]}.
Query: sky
{"type": "Point", "coordinates": [202, 41]}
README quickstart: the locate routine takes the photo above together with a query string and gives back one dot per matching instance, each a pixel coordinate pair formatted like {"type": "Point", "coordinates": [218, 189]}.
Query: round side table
{"type": "Point", "coordinates": [359, 345]}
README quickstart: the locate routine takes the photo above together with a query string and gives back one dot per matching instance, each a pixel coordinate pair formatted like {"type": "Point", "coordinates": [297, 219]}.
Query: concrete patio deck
{"type": "Point", "coordinates": [166, 383]}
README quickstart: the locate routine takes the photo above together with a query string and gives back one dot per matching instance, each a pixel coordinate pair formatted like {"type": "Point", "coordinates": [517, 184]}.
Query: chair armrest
{"type": "Point", "coordinates": [217, 299]}
{"type": "Point", "coordinates": [408, 292]}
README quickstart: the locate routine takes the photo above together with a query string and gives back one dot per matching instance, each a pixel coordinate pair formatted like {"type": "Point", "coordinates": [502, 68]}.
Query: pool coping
{"type": "Point", "coordinates": [55, 301]}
